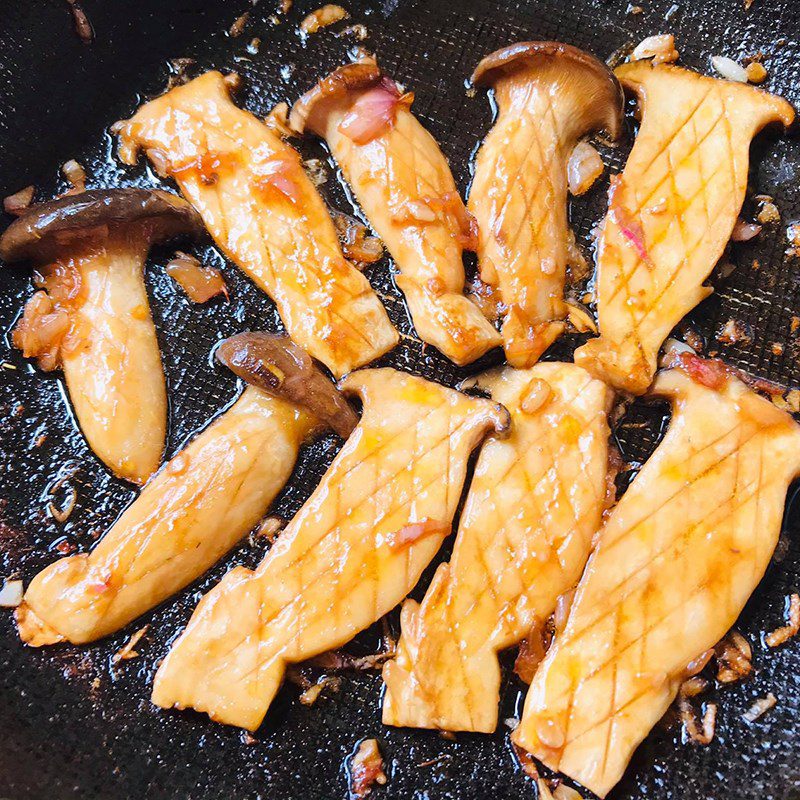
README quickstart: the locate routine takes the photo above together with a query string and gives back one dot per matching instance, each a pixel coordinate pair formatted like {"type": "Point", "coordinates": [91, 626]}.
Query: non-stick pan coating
{"type": "Point", "coordinates": [73, 727]}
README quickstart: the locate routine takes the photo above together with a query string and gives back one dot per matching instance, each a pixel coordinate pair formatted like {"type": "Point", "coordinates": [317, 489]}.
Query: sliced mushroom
{"type": "Point", "coordinates": [265, 214]}
{"type": "Point", "coordinates": [671, 211]}
{"type": "Point", "coordinates": [209, 496]}
{"type": "Point", "coordinates": [549, 96]}
{"type": "Point", "coordinates": [404, 185]}
{"type": "Point", "coordinates": [278, 366]}
{"type": "Point", "coordinates": [93, 316]}
{"type": "Point", "coordinates": [352, 552]}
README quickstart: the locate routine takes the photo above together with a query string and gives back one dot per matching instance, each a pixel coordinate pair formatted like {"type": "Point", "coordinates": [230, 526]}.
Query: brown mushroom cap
{"type": "Point", "coordinates": [277, 365]}
{"type": "Point", "coordinates": [605, 86]}
{"type": "Point", "coordinates": [309, 110]}
{"type": "Point", "coordinates": [47, 229]}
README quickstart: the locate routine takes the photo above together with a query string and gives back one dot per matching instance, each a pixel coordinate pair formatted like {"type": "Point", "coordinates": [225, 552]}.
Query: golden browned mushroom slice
{"type": "Point", "coordinates": [199, 506]}
{"type": "Point", "coordinates": [92, 317]}
{"type": "Point", "coordinates": [404, 185]}
{"type": "Point", "coordinates": [265, 214]}
{"type": "Point", "coordinates": [354, 550]}
{"type": "Point", "coordinates": [675, 564]}
{"type": "Point", "coordinates": [549, 96]}
{"type": "Point", "coordinates": [533, 506]}
{"type": "Point", "coordinates": [671, 212]}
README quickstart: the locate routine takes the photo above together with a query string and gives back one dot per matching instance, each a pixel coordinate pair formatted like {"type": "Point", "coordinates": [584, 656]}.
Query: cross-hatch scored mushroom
{"type": "Point", "coordinates": [199, 506]}
{"type": "Point", "coordinates": [265, 214]}
{"type": "Point", "coordinates": [549, 96]}
{"type": "Point", "coordinates": [534, 504]}
{"type": "Point", "coordinates": [671, 212]}
{"type": "Point", "coordinates": [92, 316]}
{"type": "Point", "coordinates": [674, 565]}
{"type": "Point", "coordinates": [404, 185]}
{"type": "Point", "coordinates": [353, 551]}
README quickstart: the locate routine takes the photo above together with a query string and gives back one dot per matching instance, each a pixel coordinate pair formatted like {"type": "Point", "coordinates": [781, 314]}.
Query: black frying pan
{"type": "Point", "coordinates": [70, 726]}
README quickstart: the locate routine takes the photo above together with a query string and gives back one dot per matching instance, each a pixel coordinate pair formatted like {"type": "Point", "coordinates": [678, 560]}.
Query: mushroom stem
{"type": "Point", "coordinates": [403, 183]}
{"type": "Point", "coordinates": [93, 317]}
{"type": "Point", "coordinates": [111, 361]}
{"type": "Point", "coordinates": [549, 96]}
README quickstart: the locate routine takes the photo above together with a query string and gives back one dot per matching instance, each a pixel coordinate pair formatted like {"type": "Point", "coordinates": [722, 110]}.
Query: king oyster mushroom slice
{"type": "Point", "coordinates": [92, 315]}
{"type": "Point", "coordinates": [199, 505]}
{"type": "Point", "coordinates": [403, 183]}
{"type": "Point", "coordinates": [354, 550]}
{"type": "Point", "coordinates": [671, 211]}
{"type": "Point", "coordinates": [549, 96]}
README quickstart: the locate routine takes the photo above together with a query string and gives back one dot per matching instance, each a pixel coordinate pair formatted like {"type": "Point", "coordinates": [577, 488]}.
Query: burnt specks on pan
{"type": "Point", "coordinates": [278, 366]}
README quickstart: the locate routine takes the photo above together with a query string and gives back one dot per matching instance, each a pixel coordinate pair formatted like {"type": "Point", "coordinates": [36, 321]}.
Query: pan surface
{"type": "Point", "coordinates": [72, 724]}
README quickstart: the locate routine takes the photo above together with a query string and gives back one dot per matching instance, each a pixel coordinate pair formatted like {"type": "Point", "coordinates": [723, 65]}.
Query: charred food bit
{"type": "Point", "coordinates": [525, 533]}
{"type": "Point", "coordinates": [366, 769]}
{"type": "Point", "coordinates": [404, 185]}
{"type": "Point", "coordinates": [201, 503]}
{"type": "Point", "coordinates": [335, 569]}
{"type": "Point", "coordinates": [671, 212]}
{"type": "Point", "coordinates": [549, 96]}
{"type": "Point", "coordinates": [265, 214]}
{"type": "Point", "coordinates": [675, 563]}
{"type": "Point", "coordinates": [91, 315]}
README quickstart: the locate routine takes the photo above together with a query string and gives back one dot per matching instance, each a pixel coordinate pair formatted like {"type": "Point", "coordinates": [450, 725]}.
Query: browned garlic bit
{"type": "Point", "coordinates": [584, 168]}
{"type": "Point", "coordinates": [199, 282]}
{"type": "Point", "coordinates": [127, 652]}
{"type": "Point", "coordinates": [661, 48]}
{"type": "Point", "coordinates": [782, 635]}
{"type": "Point", "coordinates": [366, 769]}
{"type": "Point", "coordinates": [92, 316]}
{"type": "Point", "coordinates": [760, 707]}
{"type": "Point", "coordinates": [734, 656]}
{"type": "Point", "coordinates": [16, 204]}
{"type": "Point", "coordinates": [322, 17]}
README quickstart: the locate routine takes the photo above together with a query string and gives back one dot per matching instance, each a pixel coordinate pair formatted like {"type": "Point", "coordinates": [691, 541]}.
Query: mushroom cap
{"type": "Point", "coordinates": [514, 57]}
{"type": "Point", "coordinates": [47, 229]}
{"type": "Point", "coordinates": [274, 363]}
{"type": "Point", "coordinates": [308, 111]}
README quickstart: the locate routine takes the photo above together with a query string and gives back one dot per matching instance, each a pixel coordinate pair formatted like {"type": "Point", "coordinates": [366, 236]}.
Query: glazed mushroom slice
{"type": "Point", "coordinates": [533, 506]}
{"type": "Point", "coordinates": [265, 214]}
{"type": "Point", "coordinates": [675, 563]}
{"type": "Point", "coordinates": [549, 96]}
{"type": "Point", "coordinates": [92, 316]}
{"type": "Point", "coordinates": [404, 186]}
{"type": "Point", "coordinates": [199, 506]}
{"type": "Point", "coordinates": [671, 212]}
{"type": "Point", "coordinates": [354, 550]}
